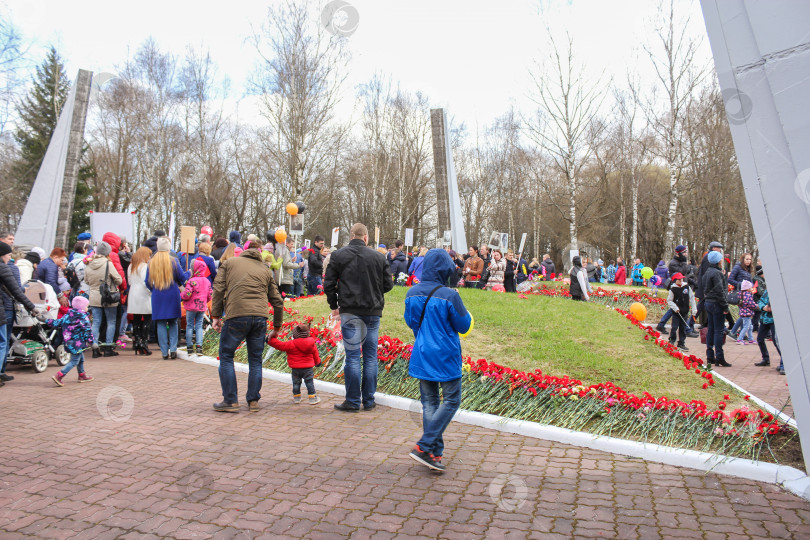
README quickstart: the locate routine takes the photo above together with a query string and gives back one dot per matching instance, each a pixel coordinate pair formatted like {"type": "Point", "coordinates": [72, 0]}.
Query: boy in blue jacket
{"type": "Point", "coordinates": [437, 317]}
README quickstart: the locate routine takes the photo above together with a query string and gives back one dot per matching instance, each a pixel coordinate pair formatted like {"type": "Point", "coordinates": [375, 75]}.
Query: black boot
{"type": "Point", "coordinates": [108, 351]}
{"type": "Point", "coordinates": [96, 352]}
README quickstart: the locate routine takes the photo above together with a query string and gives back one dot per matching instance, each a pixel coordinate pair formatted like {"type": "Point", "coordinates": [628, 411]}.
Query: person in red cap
{"type": "Point", "coordinates": [681, 301]}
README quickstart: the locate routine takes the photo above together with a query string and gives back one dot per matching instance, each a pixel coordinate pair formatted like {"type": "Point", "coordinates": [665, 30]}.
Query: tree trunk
{"type": "Point", "coordinates": [672, 210]}
{"type": "Point", "coordinates": [634, 202]}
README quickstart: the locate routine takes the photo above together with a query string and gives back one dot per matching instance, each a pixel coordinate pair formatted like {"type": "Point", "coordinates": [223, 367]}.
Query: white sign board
{"type": "Point", "coordinates": [409, 237]}
{"type": "Point", "coordinates": [120, 223]}
{"type": "Point", "coordinates": [571, 254]}
{"type": "Point", "coordinates": [447, 239]}
{"type": "Point", "coordinates": [335, 233]}
{"type": "Point", "coordinates": [504, 242]}
{"type": "Point", "coordinates": [297, 225]}
{"type": "Point", "coordinates": [522, 242]}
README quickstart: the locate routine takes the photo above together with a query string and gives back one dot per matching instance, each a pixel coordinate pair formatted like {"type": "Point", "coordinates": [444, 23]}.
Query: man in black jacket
{"type": "Point", "coordinates": [10, 289]}
{"type": "Point", "coordinates": [357, 279]}
{"type": "Point", "coordinates": [714, 287]}
{"type": "Point", "coordinates": [704, 265]}
{"type": "Point", "coordinates": [397, 260]}
{"type": "Point", "coordinates": [315, 265]}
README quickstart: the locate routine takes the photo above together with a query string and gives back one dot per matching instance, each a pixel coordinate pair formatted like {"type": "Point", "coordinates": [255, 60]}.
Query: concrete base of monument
{"type": "Point", "coordinates": [790, 478]}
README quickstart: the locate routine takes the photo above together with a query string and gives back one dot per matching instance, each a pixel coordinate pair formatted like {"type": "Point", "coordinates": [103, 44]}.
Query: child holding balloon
{"type": "Point", "coordinates": [681, 300]}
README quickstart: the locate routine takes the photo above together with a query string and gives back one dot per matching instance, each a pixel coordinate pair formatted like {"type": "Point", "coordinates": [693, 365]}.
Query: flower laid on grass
{"type": "Point", "coordinates": [602, 409]}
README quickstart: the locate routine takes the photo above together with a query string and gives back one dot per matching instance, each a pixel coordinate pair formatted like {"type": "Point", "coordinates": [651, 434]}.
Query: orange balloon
{"type": "Point", "coordinates": [292, 208]}
{"type": "Point", "coordinates": [281, 235]}
{"type": "Point", "coordinates": [638, 311]}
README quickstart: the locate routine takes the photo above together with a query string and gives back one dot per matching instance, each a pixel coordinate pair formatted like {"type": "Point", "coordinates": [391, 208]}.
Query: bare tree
{"type": "Point", "coordinates": [673, 55]}
{"type": "Point", "coordinates": [568, 104]}
{"type": "Point", "coordinates": [299, 80]}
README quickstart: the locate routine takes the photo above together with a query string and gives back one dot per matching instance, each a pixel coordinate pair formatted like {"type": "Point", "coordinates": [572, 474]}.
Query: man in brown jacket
{"type": "Point", "coordinates": [473, 268]}
{"type": "Point", "coordinates": [243, 287]}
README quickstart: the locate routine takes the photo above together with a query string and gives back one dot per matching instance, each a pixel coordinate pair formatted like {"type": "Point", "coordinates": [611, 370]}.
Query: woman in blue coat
{"type": "Point", "coordinates": [164, 277]}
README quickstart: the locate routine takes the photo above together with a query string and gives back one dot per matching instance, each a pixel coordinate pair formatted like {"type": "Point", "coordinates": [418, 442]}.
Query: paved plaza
{"type": "Point", "coordinates": [138, 453]}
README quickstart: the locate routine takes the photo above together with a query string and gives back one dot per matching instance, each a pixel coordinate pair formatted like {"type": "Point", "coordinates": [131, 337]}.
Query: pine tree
{"type": "Point", "coordinates": [39, 113]}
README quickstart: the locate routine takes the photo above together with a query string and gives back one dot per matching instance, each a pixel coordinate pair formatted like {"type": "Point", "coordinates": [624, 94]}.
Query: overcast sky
{"type": "Point", "coordinates": [472, 57]}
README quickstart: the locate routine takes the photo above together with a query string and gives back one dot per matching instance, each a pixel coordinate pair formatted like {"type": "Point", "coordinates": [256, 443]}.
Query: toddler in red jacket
{"type": "Point", "coordinates": [302, 357]}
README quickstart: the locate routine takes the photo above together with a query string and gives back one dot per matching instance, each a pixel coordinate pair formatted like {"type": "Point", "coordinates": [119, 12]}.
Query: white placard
{"type": "Point", "coordinates": [409, 237]}
{"type": "Point", "coordinates": [335, 233]}
{"type": "Point", "coordinates": [297, 225]}
{"type": "Point", "coordinates": [571, 254]}
{"type": "Point", "coordinates": [504, 242]}
{"type": "Point", "coordinates": [522, 242]}
{"type": "Point", "coordinates": [495, 240]}
{"type": "Point", "coordinates": [447, 239]}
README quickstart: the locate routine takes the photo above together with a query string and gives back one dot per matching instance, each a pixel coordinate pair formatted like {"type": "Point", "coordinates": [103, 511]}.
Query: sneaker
{"type": "Point", "coordinates": [225, 407]}
{"type": "Point", "coordinates": [58, 378]}
{"type": "Point", "coordinates": [781, 370]}
{"type": "Point", "coordinates": [751, 342]}
{"type": "Point", "coordinates": [424, 458]}
{"type": "Point", "coordinates": [253, 406]}
{"type": "Point", "coordinates": [740, 342]}
{"type": "Point", "coordinates": [189, 350]}
{"type": "Point", "coordinates": [6, 378]}
{"type": "Point", "coordinates": [660, 329]}
{"type": "Point", "coordinates": [346, 407]}
{"type": "Point", "coordinates": [693, 334]}
{"type": "Point", "coordinates": [732, 335]}
{"type": "Point", "coordinates": [437, 460]}
{"type": "Point", "coordinates": [297, 399]}
{"type": "Point", "coordinates": [763, 363]}
{"type": "Point", "coordinates": [85, 377]}
{"type": "Point", "coordinates": [683, 348]}
{"type": "Point", "coordinates": [369, 407]}
{"type": "Point", "coordinates": [199, 349]}
{"type": "Point", "coordinates": [314, 400]}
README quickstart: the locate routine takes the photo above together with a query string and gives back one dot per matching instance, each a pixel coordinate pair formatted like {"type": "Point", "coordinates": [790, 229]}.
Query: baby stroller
{"type": "Point", "coordinates": [31, 340]}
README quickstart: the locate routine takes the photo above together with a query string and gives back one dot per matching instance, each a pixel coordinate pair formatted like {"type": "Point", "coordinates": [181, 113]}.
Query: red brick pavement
{"type": "Point", "coordinates": [174, 468]}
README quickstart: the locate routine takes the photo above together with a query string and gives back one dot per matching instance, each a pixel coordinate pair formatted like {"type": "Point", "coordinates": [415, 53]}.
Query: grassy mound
{"type": "Point", "coordinates": [585, 341]}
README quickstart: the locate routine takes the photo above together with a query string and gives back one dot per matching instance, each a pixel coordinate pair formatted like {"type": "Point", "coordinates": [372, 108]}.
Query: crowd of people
{"type": "Point", "coordinates": [102, 289]}
{"type": "Point", "coordinates": [697, 294]}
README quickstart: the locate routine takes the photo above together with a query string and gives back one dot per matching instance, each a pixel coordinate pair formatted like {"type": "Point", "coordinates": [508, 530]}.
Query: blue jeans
{"type": "Point", "coordinates": [194, 320]}
{"type": "Point", "coordinates": [75, 360]}
{"type": "Point", "coordinates": [667, 316]}
{"type": "Point", "coordinates": [313, 282]}
{"type": "Point", "coordinates": [110, 313]}
{"type": "Point", "coordinates": [762, 335]}
{"type": "Point", "coordinates": [714, 333]}
{"type": "Point", "coordinates": [251, 330]}
{"type": "Point", "coordinates": [436, 417]}
{"type": "Point", "coordinates": [167, 337]}
{"type": "Point", "coordinates": [7, 340]}
{"type": "Point", "coordinates": [298, 287]}
{"type": "Point", "coordinates": [4, 346]}
{"type": "Point", "coordinates": [360, 337]}
{"type": "Point", "coordinates": [746, 328]}
{"type": "Point", "coordinates": [124, 321]}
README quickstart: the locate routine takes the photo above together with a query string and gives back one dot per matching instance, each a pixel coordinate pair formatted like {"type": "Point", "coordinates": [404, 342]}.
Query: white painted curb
{"type": "Point", "coordinates": [791, 479]}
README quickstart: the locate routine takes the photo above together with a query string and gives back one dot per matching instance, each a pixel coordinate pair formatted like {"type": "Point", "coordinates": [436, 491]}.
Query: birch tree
{"type": "Point", "coordinates": [567, 105]}
{"type": "Point", "coordinates": [674, 58]}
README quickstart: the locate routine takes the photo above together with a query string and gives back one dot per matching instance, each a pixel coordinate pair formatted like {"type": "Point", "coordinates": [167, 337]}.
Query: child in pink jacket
{"type": "Point", "coordinates": [195, 297]}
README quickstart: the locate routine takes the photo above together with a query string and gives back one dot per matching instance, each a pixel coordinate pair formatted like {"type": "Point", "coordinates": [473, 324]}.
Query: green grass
{"type": "Point", "coordinates": [586, 341]}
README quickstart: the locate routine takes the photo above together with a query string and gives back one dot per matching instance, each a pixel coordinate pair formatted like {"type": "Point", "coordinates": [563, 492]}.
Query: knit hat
{"type": "Point", "coordinates": [680, 248]}
{"type": "Point", "coordinates": [745, 285]}
{"type": "Point", "coordinates": [198, 266]}
{"type": "Point", "coordinates": [237, 251]}
{"type": "Point", "coordinates": [383, 246]}
{"type": "Point", "coordinates": [39, 251]}
{"type": "Point", "coordinates": [235, 237]}
{"type": "Point", "coordinates": [252, 238]}
{"type": "Point", "coordinates": [83, 237]}
{"type": "Point", "coordinates": [221, 243]}
{"type": "Point", "coordinates": [103, 248]}
{"type": "Point", "coordinates": [5, 249]}
{"type": "Point", "coordinates": [80, 303]}
{"type": "Point", "coordinates": [32, 257]}
{"type": "Point", "coordinates": [300, 331]}
{"type": "Point", "coordinates": [163, 244]}
{"type": "Point", "coordinates": [714, 257]}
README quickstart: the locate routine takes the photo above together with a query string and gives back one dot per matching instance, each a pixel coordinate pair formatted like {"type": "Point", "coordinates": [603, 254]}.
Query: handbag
{"type": "Point", "coordinates": [704, 331]}
{"type": "Point", "coordinates": [734, 297]}
{"type": "Point", "coordinates": [109, 297]}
